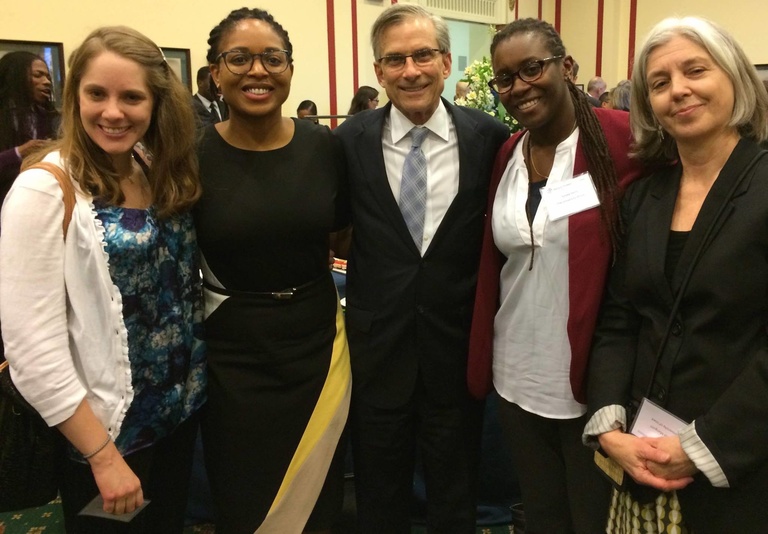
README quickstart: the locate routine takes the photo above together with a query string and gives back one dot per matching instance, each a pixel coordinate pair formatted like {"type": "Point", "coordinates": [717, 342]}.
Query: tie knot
{"type": "Point", "coordinates": [418, 134]}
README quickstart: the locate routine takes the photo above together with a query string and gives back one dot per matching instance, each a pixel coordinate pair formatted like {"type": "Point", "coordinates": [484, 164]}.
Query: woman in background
{"type": "Point", "coordinates": [279, 371]}
{"type": "Point", "coordinates": [27, 115]}
{"type": "Point", "coordinates": [366, 97]}
{"type": "Point", "coordinates": [102, 328]}
{"type": "Point", "coordinates": [306, 108]}
{"type": "Point", "coordinates": [697, 231]}
{"type": "Point", "coordinates": [543, 270]}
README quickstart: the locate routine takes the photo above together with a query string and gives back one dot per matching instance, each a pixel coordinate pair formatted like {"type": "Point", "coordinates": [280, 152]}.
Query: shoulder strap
{"type": "Point", "coordinates": [66, 187]}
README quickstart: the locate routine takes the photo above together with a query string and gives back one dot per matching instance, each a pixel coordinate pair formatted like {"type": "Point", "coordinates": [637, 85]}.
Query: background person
{"type": "Point", "coordinates": [27, 114]}
{"type": "Point", "coordinates": [699, 110]}
{"type": "Point", "coordinates": [411, 280]}
{"type": "Point", "coordinates": [596, 87]}
{"type": "Point", "coordinates": [102, 330]}
{"type": "Point", "coordinates": [542, 274]}
{"type": "Point", "coordinates": [620, 95]}
{"type": "Point", "coordinates": [366, 97]}
{"type": "Point", "coordinates": [307, 107]}
{"type": "Point", "coordinates": [273, 190]}
{"type": "Point", "coordinates": [209, 107]}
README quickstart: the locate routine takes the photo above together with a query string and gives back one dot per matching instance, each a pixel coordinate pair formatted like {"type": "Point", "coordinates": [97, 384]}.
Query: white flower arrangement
{"type": "Point", "coordinates": [480, 96]}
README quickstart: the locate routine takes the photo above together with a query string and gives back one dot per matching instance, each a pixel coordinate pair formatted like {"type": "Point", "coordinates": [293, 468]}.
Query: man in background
{"type": "Point", "coordinates": [595, 88]}
{"type": "Point", "coordinates": [209, 107]}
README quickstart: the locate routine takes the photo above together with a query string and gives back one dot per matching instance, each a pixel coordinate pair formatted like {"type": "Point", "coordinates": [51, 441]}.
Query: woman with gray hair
{"type": "Point", "coordinates": [684, 321]}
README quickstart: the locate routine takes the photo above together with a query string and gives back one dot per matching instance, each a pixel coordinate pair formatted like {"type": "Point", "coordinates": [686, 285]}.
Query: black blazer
{"type": "Point", "coordinates": [407, 313]}
{"type": "Point", "coordinates": [714, 369]}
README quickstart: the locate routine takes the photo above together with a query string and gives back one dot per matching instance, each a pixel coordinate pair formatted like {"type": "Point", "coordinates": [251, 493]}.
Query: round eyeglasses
{"type": "Point", "coordinates": [421, 57]}
{"type": "Point", "coordinates": [240, 62]}
{"type": "Point", "coordinates": [530, 72]}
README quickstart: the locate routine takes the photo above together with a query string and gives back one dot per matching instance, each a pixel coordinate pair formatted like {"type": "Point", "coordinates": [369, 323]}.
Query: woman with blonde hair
{"type": "Point", "coordinates": [101, 326]}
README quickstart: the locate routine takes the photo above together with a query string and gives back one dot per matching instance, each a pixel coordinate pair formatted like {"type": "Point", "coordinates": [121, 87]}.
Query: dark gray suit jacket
{"type": "Point", "coordinates": [408, 314]}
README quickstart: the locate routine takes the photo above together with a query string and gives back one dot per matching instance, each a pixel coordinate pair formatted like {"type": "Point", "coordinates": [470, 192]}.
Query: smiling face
{"type": "Point", "coordinates": [115, 104]}
{"type": "Point", "coordinates": [690, 95]}
{"type": "Point", "coordinates": [258, 92]}
{"type": "Point", "coordinates": [413, 89]}
{"type": "Point", "coordinates": [540, 103]}
{"type": "Point", "coordinates": [40, 79]}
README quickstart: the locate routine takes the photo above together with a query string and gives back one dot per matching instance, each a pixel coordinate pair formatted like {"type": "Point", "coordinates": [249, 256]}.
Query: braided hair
{"type": "Point", "coordinates": [599, 161]}
{"type": "Point", "coordinates": [244, 13]}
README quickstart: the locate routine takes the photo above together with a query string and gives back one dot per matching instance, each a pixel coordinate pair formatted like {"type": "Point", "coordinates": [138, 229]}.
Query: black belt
{"type": "Point", "coordinates": [283, 294]}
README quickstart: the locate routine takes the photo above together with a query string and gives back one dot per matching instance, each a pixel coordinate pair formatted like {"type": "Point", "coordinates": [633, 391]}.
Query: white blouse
{"type": "Point", "coordinates": [532, 354]}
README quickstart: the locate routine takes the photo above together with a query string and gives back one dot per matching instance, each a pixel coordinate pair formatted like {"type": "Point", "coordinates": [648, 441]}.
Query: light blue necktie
{"type": "Point", "coordinates": [413, 188]}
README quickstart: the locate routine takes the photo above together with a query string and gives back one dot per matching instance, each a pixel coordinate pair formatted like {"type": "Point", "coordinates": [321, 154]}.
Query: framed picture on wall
{"type": "Point", "coordinates": [178, 60]}
{"type": "Point", "coordinates": [762, 71]}
{"type": "Point", "coordinates": [52, 54]}
{"type": "Point", "coordinates": [580, 87]}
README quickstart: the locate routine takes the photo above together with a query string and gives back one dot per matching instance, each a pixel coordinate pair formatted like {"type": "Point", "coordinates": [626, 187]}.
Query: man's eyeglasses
{"type": "Point", "coordinates": [239, 62]}
{"type": "Point", "coordinates": [530, 72]}
{"type": "Point", "coordinates": [420, 57]}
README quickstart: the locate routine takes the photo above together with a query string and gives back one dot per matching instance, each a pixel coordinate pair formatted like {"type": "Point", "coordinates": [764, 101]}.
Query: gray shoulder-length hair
{"type": "Point", "coordinates": [750, 110]}
{"type": "Point", "coordinates": [397, 14]}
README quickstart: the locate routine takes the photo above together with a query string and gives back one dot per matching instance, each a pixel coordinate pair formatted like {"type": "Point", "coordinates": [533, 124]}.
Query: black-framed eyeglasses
{"type": "Point", "coordinates": [241, 62]}
{"type": "Point", "coordinates": [530, 72]}
{"type": "Point", "coordinates": [422, 57]}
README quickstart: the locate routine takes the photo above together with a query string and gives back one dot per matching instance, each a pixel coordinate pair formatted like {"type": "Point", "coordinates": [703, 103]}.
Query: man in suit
{"type": "Point", "coordinates": [595, 88]}
{"type": "Point", "coordinates": [209, 107]}
{"type": "Point", "coordinates": [411, 279]}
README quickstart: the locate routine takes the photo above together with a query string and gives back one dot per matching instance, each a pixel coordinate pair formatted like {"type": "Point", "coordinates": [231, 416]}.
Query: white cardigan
{"type": "Point", "coordinates": [61, 315]}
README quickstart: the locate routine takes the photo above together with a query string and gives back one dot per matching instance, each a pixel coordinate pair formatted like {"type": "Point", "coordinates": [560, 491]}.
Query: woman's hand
{"type": "Point", "coordinates": [636, 455]}
{"type": "Point", "coordinates": [118, 485]}
{"type": "Point", "coordinates": [678, 466]}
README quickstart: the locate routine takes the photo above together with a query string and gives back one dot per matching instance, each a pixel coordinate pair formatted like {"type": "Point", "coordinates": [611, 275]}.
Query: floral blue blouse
{"type": "Point", "coordinates": [153, 262]}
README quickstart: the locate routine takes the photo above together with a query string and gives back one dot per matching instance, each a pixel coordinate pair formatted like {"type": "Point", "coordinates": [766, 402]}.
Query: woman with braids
{"type": "Point", "coordinates": [27, 115]}
{"type": "Point", "coordinates": [552, 231]}
{"type": "Point", "coordinates": [273, 191]}
{"type": "Point", "coordinates": [102, 326]}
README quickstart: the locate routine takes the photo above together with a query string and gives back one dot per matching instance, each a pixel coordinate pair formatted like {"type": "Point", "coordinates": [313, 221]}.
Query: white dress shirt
{"type": "Point", "coordinates": [441, 149]}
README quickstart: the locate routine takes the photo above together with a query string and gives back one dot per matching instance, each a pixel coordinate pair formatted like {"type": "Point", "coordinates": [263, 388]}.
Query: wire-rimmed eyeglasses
{"type": "Point", "coordinates": [241, 62]}
{"type": "Point", "coordinates": [422, 57]}
{"type": "Point", "coordinates": [530, 72]}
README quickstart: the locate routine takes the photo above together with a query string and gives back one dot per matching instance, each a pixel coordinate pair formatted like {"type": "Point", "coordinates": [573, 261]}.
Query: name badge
{"type": "Point", "coordinates": [570, 196]}
{"type": "Point", "coordinates": [653, 421]}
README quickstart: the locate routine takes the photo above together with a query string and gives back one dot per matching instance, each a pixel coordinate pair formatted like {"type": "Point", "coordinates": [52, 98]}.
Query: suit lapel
{"type": "Point", "coordinates": [718, 195]}
{"type": "Point", "coordinates": [371, 160]}
{"type": "Point", "coordinates": [659, 216]}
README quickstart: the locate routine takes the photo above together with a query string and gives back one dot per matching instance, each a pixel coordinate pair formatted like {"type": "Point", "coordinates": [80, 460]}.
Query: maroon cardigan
{"type": "Point", "coordinates": [589, 256]}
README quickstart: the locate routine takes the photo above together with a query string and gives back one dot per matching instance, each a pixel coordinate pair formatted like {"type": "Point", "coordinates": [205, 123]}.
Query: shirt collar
{"type": "Point", "coordinates": [205, 101]}
{"type": "Point", "coordinates": [438, 123]}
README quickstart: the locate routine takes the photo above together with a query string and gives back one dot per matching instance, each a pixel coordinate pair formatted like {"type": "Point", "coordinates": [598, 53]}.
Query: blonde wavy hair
{"type": "Point", "coordinates": [170, 138]}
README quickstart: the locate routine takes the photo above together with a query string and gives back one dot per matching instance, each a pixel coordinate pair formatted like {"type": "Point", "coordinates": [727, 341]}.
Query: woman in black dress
{"type": "Point", "coordinates": [278, 359]}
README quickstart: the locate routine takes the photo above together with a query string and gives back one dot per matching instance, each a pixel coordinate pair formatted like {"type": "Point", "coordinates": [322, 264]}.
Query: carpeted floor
{"type": "Point", "coordinates": [48, 519]}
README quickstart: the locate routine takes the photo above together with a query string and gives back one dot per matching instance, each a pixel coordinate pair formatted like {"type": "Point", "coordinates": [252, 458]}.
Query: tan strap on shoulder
{"type": "Point", "coordinates": [66, 187]}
